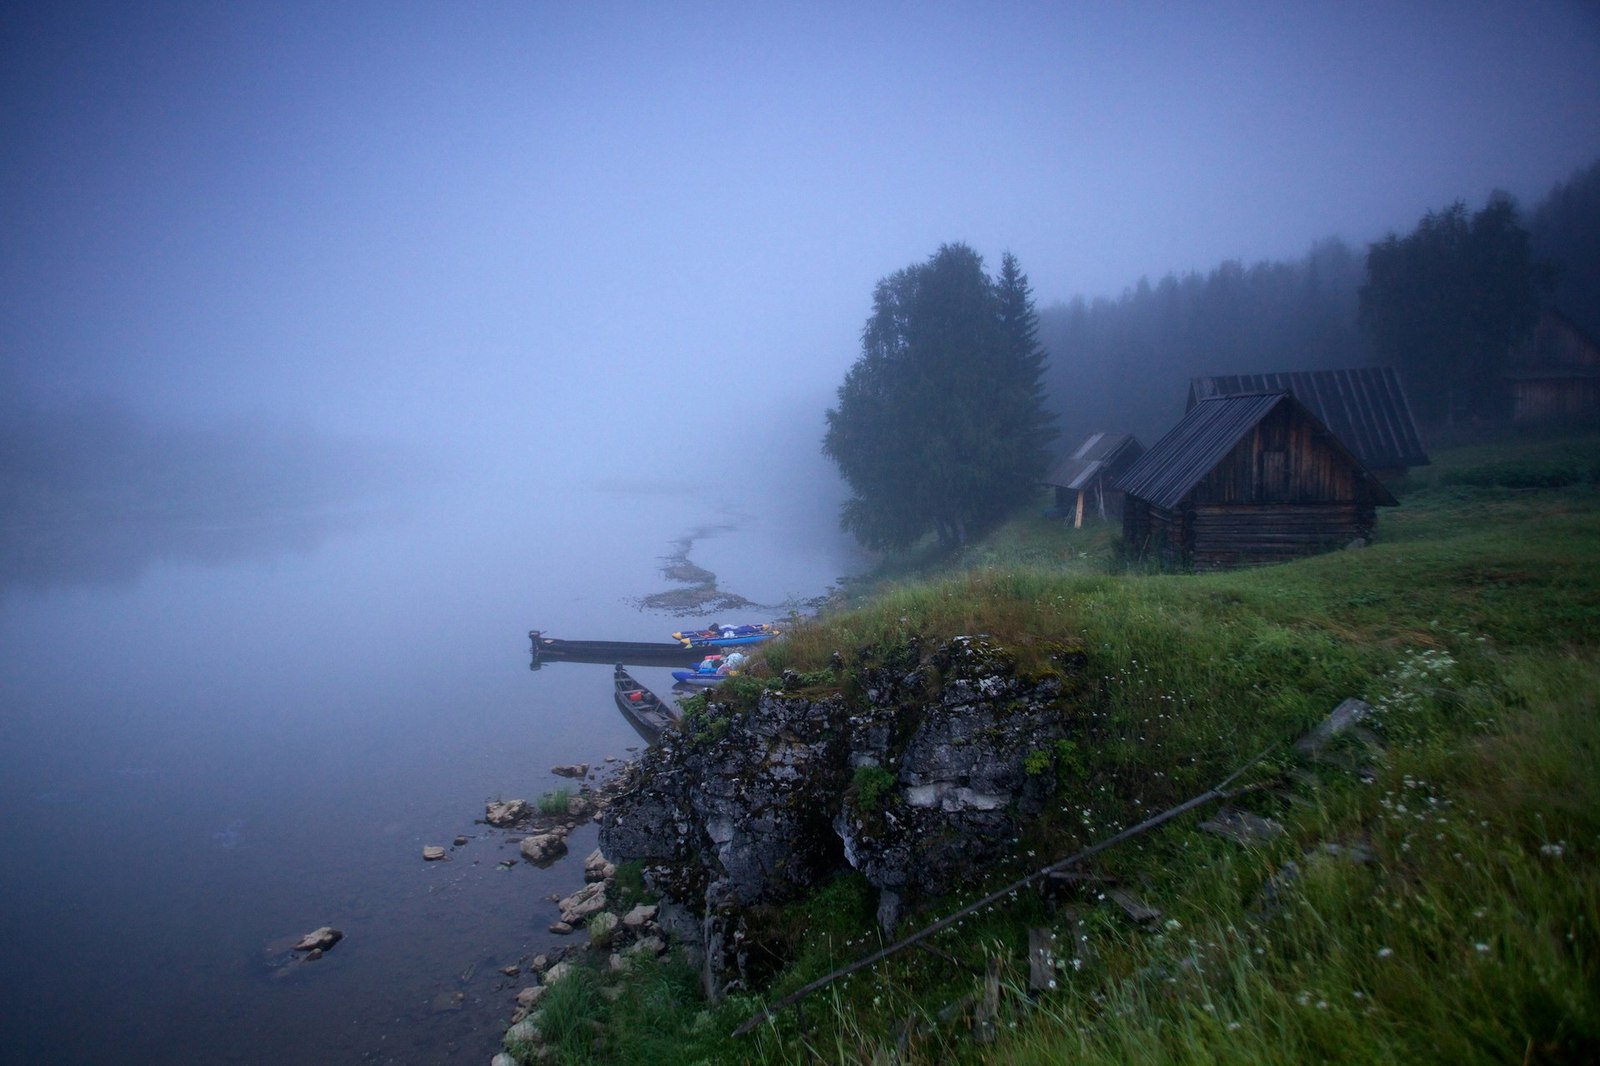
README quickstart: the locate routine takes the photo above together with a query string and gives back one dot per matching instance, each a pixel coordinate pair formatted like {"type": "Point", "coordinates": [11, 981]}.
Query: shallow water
{"type": "Point", "coordinates": [205, 757]}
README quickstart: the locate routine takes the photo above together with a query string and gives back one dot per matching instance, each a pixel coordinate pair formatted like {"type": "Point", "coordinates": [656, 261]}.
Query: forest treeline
{"type": "Point", "coordinates": [1124, 364]}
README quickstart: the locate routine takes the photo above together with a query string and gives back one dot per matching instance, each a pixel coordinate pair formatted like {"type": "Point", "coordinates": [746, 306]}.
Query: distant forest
{"type": "Point", "coordinates": [1124, 364]}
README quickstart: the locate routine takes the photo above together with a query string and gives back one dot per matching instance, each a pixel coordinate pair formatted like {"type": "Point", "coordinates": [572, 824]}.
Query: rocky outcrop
{"type": "Point", "coordinates": [917, 782]}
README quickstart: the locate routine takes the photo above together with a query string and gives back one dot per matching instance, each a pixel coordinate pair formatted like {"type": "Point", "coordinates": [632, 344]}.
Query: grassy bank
{"type": "Point", "coordinates": [1434, 896]}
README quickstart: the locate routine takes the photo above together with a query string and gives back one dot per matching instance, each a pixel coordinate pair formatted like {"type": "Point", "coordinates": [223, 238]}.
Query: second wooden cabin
{"type": "Point", "coordinates": [1249, 478]}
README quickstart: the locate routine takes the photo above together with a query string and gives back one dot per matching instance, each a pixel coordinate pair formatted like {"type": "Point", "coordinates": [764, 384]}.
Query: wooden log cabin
{"type": "Point", "coordinates": [1085, 480]}
{"type": "Point", "coordinates": [1245, 479]}
{"type": "Point", "coordinates": [1554, 376]}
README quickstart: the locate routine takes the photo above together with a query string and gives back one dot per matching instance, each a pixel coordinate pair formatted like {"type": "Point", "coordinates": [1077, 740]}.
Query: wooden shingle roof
{"type": "Point", "coordinates": [1178, 462]}
{"type": "Point", "coordinates": [1099, 451]}
{"type": "Point", "coordinates": [1366, 408]}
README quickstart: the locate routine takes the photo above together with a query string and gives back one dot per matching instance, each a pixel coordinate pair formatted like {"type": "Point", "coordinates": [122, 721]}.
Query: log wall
{"type": "Point", "coordinates": [1227, 536]}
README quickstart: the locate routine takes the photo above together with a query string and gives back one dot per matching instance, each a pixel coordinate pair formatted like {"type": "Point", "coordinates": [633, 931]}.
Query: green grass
{"type": "Point", "coordinates": [555, 802]}
{"type": "Point", "coordinates": [1471, 935]}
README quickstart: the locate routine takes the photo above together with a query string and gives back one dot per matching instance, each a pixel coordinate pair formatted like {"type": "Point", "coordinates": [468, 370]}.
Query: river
{"type": "Point", "coordinates": [206, 751]}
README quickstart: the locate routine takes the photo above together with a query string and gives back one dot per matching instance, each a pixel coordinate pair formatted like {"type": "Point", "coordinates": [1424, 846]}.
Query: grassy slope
{"type": "Point", "coordinates": [1471, 935]}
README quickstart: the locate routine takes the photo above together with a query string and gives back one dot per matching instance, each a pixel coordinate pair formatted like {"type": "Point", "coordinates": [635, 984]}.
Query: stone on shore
{"type": "Point", "coordinates": [557, 972]}
{"type": "Point", "coordinates": [640, 916]}
{"type": "Point", "coordinates": [647, 945]}
{"type": "Point", "coordinates": [524, 1032]}
{"type": "Point", "coordinates": [433, 853]}
{"type": "Point", "coordinates": [319, 939]}
{"type": "Point", "coordinates": [509, 812]}
{"type": "Point", "coordinates": [544, 847]}
{"type": "Point", "coordinates": [527, 997]}
{"type": "Point", "coordinates": [596, 868]}
{"type": "Point", "coordinates": [582, 903]}
{"type": "Point", "coordinates": [570, 770]}
{"type": "Point", "coordinates": [560, 928]}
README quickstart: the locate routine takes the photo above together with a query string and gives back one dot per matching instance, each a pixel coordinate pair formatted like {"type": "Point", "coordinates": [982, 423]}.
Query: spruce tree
{"type": "Point", "coordinates": [1024, 399]}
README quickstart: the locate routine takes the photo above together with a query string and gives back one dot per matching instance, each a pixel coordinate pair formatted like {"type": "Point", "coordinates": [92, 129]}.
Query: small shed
{"type": "Point", "coordinates": [1088, 475]}
{"type": "Point", "coordinates": [1554, 376]}
{"type": "Point", "coordinates": [1364, 407]}
{"type": "Point", "coordinates": [1249, 478]}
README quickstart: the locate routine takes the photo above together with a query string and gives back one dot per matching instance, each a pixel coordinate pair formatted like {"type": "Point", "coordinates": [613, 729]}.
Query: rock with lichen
{"type": "Point", "coordinates": [918, 782]}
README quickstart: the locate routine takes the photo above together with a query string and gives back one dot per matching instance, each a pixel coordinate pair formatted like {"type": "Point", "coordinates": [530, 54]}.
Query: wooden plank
{"type": "Point", "coordinates": [1041, 959]}
{"type": "Point", "coordinates": [1242, 827]}
{"type": "Point", "coordinates": [986, 1019]}
{"type": "Point", "coordinates": [1134, 907]}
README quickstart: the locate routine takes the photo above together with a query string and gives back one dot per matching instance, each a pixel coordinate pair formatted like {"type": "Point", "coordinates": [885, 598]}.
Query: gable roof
{"type": "Point", "coordinates": [1093, 456]}
{"type": "Point", "coordinates": [1366, 408]}
{"type": "Point", "coordinates": [1178, 462]}
{"type": "Point", "coordinates": [1556, 348]}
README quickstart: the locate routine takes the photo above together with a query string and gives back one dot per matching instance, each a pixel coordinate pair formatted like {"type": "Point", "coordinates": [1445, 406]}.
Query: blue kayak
{"type": "Point", "coordinates": [695, 677]}
{"type": "Point", "coordinates": [727, 636]}
{"type": "Point", "coordinates": [712, 669]}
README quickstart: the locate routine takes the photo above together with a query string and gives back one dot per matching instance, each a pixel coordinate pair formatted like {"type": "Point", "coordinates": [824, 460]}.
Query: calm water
{"type": "Point", "coordinates": [211, 751]}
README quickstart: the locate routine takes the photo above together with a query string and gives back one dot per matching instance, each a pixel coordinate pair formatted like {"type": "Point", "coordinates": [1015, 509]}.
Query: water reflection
{"type": "Point", "coordinates": [93, 495]}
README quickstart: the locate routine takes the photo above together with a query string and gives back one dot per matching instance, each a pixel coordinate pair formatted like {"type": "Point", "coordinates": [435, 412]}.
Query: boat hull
{"type": "Point", "coordinates": [633, 653]}
{"type": "Point", "coordinates": [648, 713]}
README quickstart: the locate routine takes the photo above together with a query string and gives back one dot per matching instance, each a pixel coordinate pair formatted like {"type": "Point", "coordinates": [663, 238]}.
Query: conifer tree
{"type": "Point", "coordinates": [1446, 302]}
{"type": "Point", "coordinates": [1024, 399]}
{"type": "Point", "coordinates": [940, 425]}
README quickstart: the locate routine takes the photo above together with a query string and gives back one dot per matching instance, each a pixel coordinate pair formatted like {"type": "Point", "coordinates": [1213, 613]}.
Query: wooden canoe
{"type": "Point", "coordinates": [644, 710]}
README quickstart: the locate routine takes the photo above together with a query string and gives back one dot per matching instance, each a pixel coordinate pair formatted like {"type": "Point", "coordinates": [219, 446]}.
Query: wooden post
{"type": "Point", "coordinates": [1077, 521]}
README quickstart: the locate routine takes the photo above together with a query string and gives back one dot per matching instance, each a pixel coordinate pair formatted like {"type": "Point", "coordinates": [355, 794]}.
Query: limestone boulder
{"type": "Point", "coordinates": [589, 899]}
{"type": "Point", "coordinates": [507, 813]}
{"type": "Point", "coordinates": [543, 847]}
{"type": "Point", "coordinates": [319, 939]}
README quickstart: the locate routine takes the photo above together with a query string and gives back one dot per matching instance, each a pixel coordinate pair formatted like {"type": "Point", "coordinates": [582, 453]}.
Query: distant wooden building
{"type": "Point", "coordinates": [1555, 375]}
{"type": "Point", "coordinates": [1087, 477]}
{"type": "Point", "coordinates": [1366, 408]}
{"type": "Point", "coordinates": [1249, 478]}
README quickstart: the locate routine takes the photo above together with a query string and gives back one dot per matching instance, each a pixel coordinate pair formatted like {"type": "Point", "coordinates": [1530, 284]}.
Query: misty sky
{"type": "Point", "coordinates": [552, 229]}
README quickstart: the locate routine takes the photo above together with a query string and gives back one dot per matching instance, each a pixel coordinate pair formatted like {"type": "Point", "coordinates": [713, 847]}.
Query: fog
{"type": "Point", "coordinates": [342, 344]}
{"type": "Point", "coordinates": [603, 235]}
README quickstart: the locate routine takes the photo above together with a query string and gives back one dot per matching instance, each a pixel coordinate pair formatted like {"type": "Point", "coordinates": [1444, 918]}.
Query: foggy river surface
{"type": "Point", "coordinates": [212, 754]}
